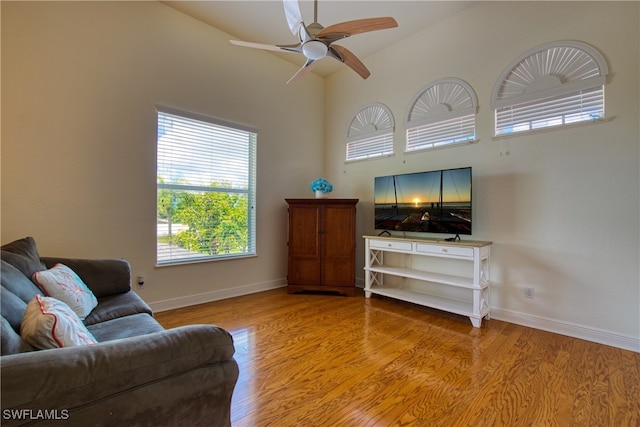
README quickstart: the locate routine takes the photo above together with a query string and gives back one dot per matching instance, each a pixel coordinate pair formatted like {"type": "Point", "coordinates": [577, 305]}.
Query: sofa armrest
{"type": "Point", "coordinates": [75, 377]}
{"type": "Point", "coordinates": [103, 276]}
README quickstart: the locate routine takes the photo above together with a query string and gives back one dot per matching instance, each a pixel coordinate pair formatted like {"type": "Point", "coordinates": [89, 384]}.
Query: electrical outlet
{"type": "Point", "coordinates": [528, 292]}
{"type": "Point", "coordinates": [140, 282]}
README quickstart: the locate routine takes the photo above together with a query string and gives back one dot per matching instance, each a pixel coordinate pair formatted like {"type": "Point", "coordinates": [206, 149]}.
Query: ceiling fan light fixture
{"type": "Point", "coordinates": [314, 50]}
{"type": "Point", "coordinates": [316, 41]}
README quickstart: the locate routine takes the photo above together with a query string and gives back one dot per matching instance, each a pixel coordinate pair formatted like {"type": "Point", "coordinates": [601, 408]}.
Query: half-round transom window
{"type": "Point", "coordinates": [441, 114]}
{"type": "Point", "coordinates": [370, 133]}
{"type": "Point", "coordinates": [555, 84]}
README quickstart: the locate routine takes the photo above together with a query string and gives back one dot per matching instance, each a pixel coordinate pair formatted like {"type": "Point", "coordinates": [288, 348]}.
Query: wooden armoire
{"type": "Point", "coordinates": [322, 245]}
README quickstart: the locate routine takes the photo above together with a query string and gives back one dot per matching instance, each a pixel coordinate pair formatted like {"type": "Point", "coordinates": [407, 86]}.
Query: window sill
{"type": "Point", "coordinates": [444, 146]}
{"type": "Point", "coordinates": [186, 261]}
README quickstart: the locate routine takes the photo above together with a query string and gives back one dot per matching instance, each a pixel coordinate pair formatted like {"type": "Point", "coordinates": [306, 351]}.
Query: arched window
{"type": "Point", "coordinates": [370, 133]}
{"type": "Point", "coordinates": [556, 84]}
{"type": "Point", "coordinates": [442, 114]}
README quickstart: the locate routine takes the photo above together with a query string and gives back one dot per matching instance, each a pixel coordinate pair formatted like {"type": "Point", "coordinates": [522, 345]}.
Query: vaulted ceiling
{"type": "Point", "coordinates": [264, 22]}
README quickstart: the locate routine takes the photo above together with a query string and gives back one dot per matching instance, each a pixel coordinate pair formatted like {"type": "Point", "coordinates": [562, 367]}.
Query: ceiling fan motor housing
{"type": "Point", "coordinates": [314, 49]}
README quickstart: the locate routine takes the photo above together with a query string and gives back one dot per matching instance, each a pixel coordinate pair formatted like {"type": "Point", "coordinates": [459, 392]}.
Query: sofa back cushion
{"type": "Point", "coordinates": [23, 255]}
{"type": "Point", "coordinates": [104, 277]}
{"type": "Point", "coordinates": [16, 282]}
{"type": "Point", "coordinates": [12, 308]}
{"type": "Point", "coordinates": [11, 342]}
{"type": "Point", "coordinates": [16, 292]}
{"type": "Point", "coordinates": [20, 259]}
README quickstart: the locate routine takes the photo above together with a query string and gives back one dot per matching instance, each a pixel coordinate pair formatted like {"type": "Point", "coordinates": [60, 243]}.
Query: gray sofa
{"type": "Point", "coordinates": [137, 374]}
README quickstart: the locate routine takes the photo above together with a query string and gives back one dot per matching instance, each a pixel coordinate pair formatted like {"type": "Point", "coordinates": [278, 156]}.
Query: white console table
{"type": "Point", "coordinates": [430, 284]}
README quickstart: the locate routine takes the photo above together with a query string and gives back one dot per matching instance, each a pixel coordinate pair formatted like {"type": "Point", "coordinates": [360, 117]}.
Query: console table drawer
{"type": "Point", "coordinates": [391, 245]}
{"type": "Point", "coordinates": [444, 250]}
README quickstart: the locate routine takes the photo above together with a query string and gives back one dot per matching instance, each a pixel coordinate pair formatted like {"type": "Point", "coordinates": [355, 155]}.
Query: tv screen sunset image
{"type": "Point", "coordinates": [433, 202]}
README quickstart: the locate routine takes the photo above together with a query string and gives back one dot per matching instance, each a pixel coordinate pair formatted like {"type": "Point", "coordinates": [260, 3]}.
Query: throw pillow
{"type": "Point", "coordinates": [50, 323]}
{"type": "Point", "coordinates": [65, 285]}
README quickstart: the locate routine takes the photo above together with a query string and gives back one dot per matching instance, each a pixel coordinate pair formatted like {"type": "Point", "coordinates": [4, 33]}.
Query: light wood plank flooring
{"type": "Point", "coordinates": [326, 360]}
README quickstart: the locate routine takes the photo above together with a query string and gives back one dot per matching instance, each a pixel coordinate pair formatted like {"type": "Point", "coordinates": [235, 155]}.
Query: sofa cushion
{"type": "Point", "coordinates": [12, 308]}
{"type": "Point", "coordinates": [16, 282]}
{"type": "Point", "coordinates": [125, 327]}
{"type": "Point", "coordinates": [103, 276]}
{"type": "Point", "coordinates": [50, 323]}
{"type": "Point", "coordinates": [115, 306]}
{"type": "Point", "coordinates": [62, 283]}
{"type": "Point", "coordinates": [23, 254]}
{"type": "Point", "coordinates": [12, 342]}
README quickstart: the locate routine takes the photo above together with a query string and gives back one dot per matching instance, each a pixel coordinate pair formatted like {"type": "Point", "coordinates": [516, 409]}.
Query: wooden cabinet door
{"type": "Point", "coordinates": [321, 245]}
{"type": "Point", "coordinates": [337, 245]}
{"type": "Point", "coordinates": [304, 245]}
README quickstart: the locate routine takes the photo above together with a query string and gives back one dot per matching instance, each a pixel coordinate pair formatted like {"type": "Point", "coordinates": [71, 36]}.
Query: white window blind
{"type": "Point", "coordinates": [581, 106]}
{"type": "Point", "coordinates": [370, 133]}
{"type": "Point", "coordinates": [460, 130]}
{"type": "Point", "coordinates": [206, 172]}
{"type": "Point", "coordinates": [442, 114]}
{"type": "Point", "coordinates": [556, 84]}
{"type": "Point", "coordinates": [369, 147]}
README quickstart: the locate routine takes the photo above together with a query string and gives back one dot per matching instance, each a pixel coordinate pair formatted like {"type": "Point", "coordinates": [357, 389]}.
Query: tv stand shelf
{"type": "Point", "coordinates": [406, 266]}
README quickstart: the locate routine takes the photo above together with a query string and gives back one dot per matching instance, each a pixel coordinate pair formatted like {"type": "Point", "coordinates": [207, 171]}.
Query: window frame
{"type": "Point", "coordinates": [551, 96]}
{"type": "Point", "coordinates": [249, 190]}
{"type": "Point", "coordinates": [438, 109]}
{"type": "Point", "coordinates": [370, 133]}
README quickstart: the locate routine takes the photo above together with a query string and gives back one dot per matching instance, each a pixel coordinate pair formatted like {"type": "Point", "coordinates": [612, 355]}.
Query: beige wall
{"type": "Point", "coordinates": [562, 207]}
{"type": "Point", "coordinates": [80, 82]}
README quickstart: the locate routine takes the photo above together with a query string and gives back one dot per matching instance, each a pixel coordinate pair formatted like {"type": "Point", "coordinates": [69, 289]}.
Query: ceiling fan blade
{"type": "Point", "coordinates": [350, 60]}
{"type": "Point", "coordinates": [277, 48]}
{"type": "Point", "coordinates": [306, 68]}
{"type": "Point", "coordinates": [359, 26]}
{"type": "Point", "coordinates": [293, 14]}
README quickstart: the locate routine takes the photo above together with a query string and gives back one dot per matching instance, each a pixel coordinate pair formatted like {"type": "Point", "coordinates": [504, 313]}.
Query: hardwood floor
{"type": "Point", "coordinates": [326, 360]}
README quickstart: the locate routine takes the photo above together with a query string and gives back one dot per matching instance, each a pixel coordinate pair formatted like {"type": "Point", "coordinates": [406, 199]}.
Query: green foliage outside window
{"type": "Point", "coordinates": [211, 222]}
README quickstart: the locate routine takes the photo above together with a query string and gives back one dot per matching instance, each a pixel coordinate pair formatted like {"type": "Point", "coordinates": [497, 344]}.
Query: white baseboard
{"type": "Point", "coordinates": [550, 325]}
{"type": "Point", "coordinates": [563, 328]}
{"type": "Point", "coordinates": [216, 295]}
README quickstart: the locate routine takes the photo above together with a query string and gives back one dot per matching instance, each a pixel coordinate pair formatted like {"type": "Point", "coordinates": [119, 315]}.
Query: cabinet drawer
{"type": "Point", "coordinates": [444, 250]}
{"type": "Point", "coordinates": [391, 245]}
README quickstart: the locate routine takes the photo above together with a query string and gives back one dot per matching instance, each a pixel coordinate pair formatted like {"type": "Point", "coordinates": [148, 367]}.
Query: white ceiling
{"type": "Point", "coordinates": [264, 21]}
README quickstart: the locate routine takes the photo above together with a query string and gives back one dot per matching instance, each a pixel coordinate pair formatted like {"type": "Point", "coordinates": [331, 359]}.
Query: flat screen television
{"type": "Point", "coordinates": [430, 202]}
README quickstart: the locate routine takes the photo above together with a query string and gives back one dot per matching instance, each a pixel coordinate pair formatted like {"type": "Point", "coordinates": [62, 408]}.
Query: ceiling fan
{"type": "Point", "coordinates": [316, 41]}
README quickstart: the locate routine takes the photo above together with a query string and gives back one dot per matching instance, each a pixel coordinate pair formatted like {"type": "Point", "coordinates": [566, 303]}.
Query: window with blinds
{"type": "Point", "coordinates": [206, 182]}
{"type": "Point", "coordinates": [369, 147]}
{"type": "Point", "coordinates": [370, 133]}
{"type": "Point", "coordinates": [581, 106]}
{"type": "Point", "coordinates": [556, 84]}
{"type": "Point", "coordinates": [442, 114]}
{"type": "Point", "coordinates": [460, 130]}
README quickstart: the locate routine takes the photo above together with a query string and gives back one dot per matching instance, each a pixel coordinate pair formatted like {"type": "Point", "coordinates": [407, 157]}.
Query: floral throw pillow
{"type": "Point", "coordinates": [64, 284]}
{"type": "Point", "coordinates": [50, 323]}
